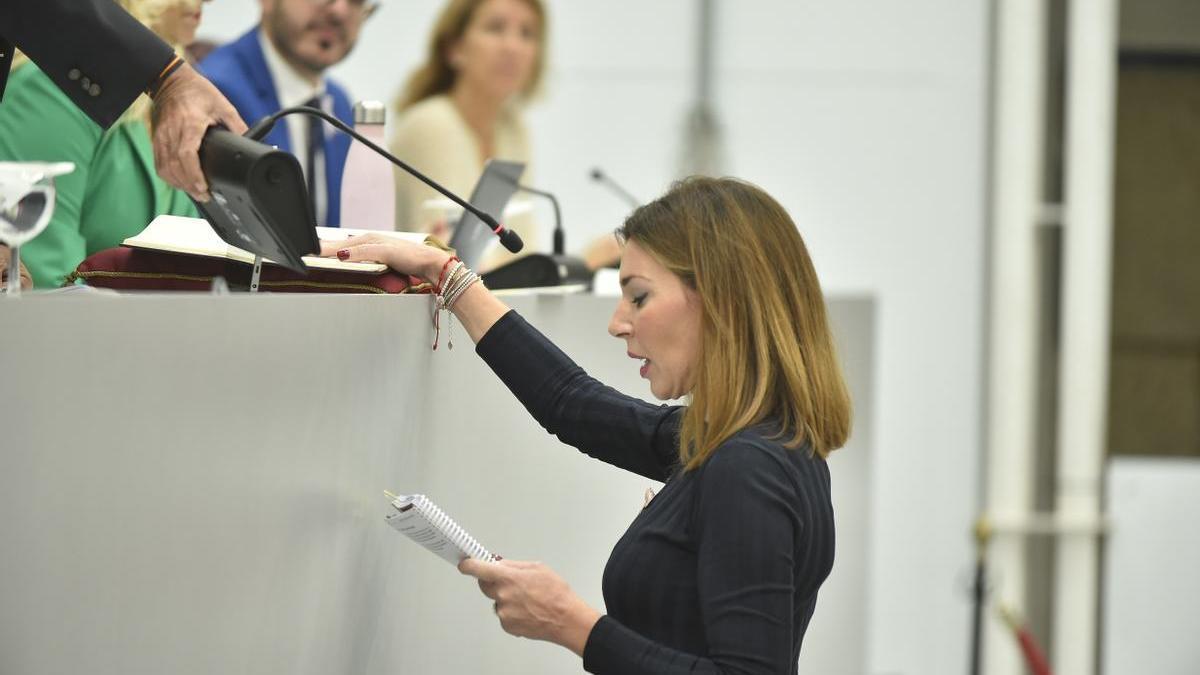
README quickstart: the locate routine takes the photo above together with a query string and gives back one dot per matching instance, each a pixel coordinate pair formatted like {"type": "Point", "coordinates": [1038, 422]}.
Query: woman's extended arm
{"type": "Point", "coordinates": [584, 413]}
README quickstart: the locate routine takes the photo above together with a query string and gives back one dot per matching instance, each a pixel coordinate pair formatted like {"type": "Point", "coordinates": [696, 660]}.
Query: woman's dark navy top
{"type": "Point", "coordinates": [720, 572]}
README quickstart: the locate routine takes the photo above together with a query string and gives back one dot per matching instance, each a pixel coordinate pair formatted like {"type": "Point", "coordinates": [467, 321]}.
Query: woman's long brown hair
{"type": "Point", "coordinates": [766, 352]}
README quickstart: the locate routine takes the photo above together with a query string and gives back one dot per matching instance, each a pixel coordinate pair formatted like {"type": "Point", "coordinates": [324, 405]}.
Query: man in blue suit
{"type": "Point", "coordinates": [281, 63]}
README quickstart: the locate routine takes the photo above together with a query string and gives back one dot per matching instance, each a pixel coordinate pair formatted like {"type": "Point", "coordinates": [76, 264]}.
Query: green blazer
{"type": "Point", "coordinates": [113, 193]}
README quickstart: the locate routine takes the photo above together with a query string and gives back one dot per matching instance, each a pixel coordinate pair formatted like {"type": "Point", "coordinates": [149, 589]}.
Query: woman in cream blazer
{"type": "Point", "coordinates": [463, 106]}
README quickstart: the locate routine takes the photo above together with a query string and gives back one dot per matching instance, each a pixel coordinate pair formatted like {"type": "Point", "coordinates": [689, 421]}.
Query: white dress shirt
{"type": "Point", "coordinates": [293, 89]}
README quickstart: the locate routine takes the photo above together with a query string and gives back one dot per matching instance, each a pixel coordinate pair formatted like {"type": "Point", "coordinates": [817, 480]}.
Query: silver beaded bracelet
{"type": "Point", "coordinates": [458, 279]}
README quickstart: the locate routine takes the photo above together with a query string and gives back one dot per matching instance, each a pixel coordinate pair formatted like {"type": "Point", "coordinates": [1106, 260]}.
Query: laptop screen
{"type": "Point", "coordinates": [497, 184]}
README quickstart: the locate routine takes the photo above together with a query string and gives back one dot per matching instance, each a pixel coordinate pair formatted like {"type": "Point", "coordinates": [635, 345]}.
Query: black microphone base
{"type": "Point", "coordinates": [539, 269]}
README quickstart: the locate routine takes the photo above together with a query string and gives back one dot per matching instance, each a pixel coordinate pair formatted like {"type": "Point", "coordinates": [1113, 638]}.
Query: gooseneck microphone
{"type": "Point", "coordinates": [508, 238]}
{"type": "Point", "coordinates": [559, 234]}
{"type": "Point", "coordinates": [540, 269]}
{"type": "Point", "coordinates": [601, 177]}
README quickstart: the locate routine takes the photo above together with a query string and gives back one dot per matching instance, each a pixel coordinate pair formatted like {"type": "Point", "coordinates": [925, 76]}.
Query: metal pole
{"type": "Point", "coordinates": [1012, 352]}
{"type": "Point", "coordinates": [704, 53]}
{"type": "Point", "coordinates": [983, 533]}
{"type": "Point", "coordinates": [14, 272]}
{"type": "Point", "coordinates": [1086, 297]}
{"type": "Point", "coordinates": [702, 151]}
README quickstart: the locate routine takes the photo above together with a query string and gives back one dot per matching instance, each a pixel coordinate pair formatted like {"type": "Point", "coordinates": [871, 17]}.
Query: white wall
{"type": "Point", "coordinates": [866, 119]}
{"type": "Point", "coordinates": [1152, 554]}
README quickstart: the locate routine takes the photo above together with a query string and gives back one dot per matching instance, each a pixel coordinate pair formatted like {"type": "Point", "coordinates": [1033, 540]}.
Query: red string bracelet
{"type": "Point", "coordinates": [437, 289]}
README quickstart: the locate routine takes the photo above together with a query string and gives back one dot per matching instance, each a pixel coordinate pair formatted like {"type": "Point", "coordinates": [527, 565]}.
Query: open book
{"type": "Point", "coordinates": [194, 236]}
{"type": "Point", "coordinates": [419, 519]}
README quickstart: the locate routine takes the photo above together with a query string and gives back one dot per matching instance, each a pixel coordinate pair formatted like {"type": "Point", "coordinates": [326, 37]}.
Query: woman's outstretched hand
{"type": "Point", "coordinates": [477, 309]}
{"type": "Point", "coordinates": [405, 257]}
{"type": "Point", "coordinates": [532, 601]}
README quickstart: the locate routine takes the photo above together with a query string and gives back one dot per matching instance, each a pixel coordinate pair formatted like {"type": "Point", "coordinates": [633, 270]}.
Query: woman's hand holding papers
{"type": "Point", "coordinates": [532, 601]}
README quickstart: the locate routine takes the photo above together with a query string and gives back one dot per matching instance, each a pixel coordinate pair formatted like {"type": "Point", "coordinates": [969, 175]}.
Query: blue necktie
{"type": "Point", "coordinates": [316, 153]}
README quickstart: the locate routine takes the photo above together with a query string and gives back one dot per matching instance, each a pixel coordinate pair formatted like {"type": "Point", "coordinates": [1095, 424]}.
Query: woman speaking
{"type": "Point", "coordinates": [719, 573]}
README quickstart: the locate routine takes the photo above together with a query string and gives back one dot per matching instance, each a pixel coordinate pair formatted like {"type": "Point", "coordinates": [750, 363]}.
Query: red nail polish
{"type": "Point", "coordinates": [343, 254]}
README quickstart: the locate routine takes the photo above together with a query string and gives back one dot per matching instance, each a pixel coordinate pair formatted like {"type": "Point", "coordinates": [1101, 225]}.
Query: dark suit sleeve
{"type": "Point", "coordinates": [98, 54]}
{"type": "Point", "coordinates": [6, 59]}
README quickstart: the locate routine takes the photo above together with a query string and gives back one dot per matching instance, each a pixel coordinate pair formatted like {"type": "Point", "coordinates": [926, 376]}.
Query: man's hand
{"type": "Point", "coordinates": [5, 255]}
{"type": "Point", "coordinates": [185, 106]}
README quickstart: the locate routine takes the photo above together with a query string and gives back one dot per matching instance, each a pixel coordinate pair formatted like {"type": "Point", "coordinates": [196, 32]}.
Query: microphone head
{"type": "Point", "coordinates": [511, 240]}
{"type": "Point", "coordinates": [597, 174]}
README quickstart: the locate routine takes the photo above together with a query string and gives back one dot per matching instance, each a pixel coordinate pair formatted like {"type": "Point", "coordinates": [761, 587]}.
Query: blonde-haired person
{"type": "Point", "coordinates": [114, 191]}
{"type": "Point", "coordinates": [720, 302]}
{"type": "Point", "coordinates": [463, 106]}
